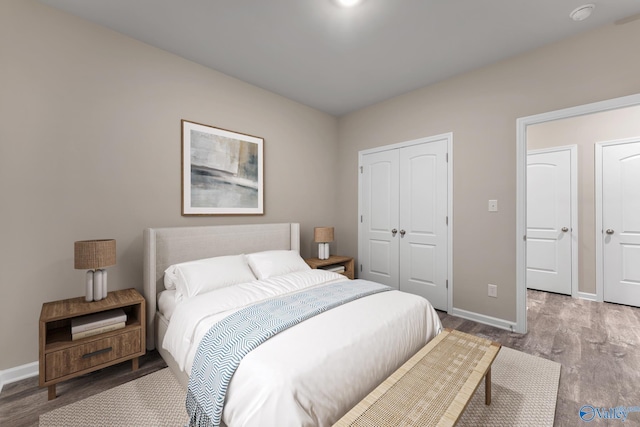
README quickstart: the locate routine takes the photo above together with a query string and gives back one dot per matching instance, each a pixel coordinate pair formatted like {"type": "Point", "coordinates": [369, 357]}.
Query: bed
{"type": "Point", "coordinates": [308, 375]}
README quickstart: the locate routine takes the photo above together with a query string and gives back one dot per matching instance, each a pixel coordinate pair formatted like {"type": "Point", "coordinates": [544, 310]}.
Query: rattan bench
{"type": "Point", "coordinates": [432, 388]}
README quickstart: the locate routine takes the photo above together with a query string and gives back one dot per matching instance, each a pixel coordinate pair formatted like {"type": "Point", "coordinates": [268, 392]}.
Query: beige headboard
{"type": "Point", "coordinates": [166, 246]}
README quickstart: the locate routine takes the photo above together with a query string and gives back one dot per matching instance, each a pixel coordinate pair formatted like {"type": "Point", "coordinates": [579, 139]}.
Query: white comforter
{"type": "Point", "coordinates": [314, 372]}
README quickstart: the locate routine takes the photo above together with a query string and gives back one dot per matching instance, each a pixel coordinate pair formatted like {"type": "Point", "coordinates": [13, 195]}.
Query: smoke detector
{"type": "Point", "coordinates": [583, 12]}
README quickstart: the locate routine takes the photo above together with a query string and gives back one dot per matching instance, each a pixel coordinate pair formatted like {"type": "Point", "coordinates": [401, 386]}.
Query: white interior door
{"type": "Point", "coordinates": [380, 200]}
{"type": "Point", "coordinates": [423, 221]}
{"type": "Point", "coordinates": [549, 220]}
{"type": "Point", "coordinates": [621, 222]}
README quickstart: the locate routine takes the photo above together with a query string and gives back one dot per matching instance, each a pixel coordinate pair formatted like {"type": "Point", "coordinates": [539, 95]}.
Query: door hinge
{"type": "Point", "coordinates": [360, 268]}
{"type": "Point", "coordinates": [360, 218]}
{"type": "Point", "coordinates": [447, 157]}
{"type": "Point", "coordinates": [446, 220]}
{"type": "Point", "coordinates": [524, 237]}
{"type": "Point", "coordinates": [447, 283]}
{"type": "Point", "coordinates": [361, 169]}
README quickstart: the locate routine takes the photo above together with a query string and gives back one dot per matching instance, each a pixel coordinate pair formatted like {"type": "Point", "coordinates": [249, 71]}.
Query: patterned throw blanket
{"type": "Point", "coordinates": [228, 341]}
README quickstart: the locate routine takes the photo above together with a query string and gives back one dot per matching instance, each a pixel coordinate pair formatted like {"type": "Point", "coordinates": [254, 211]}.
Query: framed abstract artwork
{"type": "Point", "coordinates": [222, 171]}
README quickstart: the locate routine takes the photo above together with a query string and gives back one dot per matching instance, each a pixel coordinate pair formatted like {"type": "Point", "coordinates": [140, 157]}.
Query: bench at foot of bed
{"type": "Point", "coordinates": [432, 388]}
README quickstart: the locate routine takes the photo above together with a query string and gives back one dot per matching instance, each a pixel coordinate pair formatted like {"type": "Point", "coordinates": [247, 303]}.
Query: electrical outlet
{"type": "Point", "coordinates": [493, 206]}
{"type": "Point", "coordinates": [493, 291]}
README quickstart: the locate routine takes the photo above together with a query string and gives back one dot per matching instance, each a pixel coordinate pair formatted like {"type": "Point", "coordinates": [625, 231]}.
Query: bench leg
{"type": "Point", "coordinates": [487, 387]}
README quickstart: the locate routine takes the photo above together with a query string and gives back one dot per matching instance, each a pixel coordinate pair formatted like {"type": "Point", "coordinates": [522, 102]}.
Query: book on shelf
{"type": "Point", "coordinates": [97, 320]}
{"type": "Point", "coordinates": [334, 268]}
{"type": "Point", "coordinates": [96, 331]}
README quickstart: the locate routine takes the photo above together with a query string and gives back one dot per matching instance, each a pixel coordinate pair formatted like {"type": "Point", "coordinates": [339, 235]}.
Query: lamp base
{"type": "Point", "coordinates": [96, 285]}
{"type": "Point", "coordinates": [323, 251]}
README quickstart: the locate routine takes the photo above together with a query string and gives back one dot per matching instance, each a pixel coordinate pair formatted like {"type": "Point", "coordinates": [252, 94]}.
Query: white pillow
{"type": "Point", "coordinates": [196, 277]}
{"type": "Point", "coordinates": [170, 278]}
{"type": "Point", "coordinates": [167, 303]}
{"type": "Point", "coordinates": [276, 263]}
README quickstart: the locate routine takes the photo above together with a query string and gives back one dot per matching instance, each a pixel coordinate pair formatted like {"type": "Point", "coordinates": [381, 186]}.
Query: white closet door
{"type": "Point", "coordinates": [621, 222]}
{"type": "Point", "coordinates": [549, 228]}
{"type": "Point", "coordinates": [380, 200]}
{"type": "Point", "coordinates": [423, 221]}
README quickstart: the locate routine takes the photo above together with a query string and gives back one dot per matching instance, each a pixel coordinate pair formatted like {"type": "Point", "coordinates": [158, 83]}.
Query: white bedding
{"type": "Point", "coordinates": [314, 372]}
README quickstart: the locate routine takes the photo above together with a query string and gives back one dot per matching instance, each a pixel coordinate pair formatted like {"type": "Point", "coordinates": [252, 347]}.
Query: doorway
{"type": "Point", "coordinates": [522, 126]}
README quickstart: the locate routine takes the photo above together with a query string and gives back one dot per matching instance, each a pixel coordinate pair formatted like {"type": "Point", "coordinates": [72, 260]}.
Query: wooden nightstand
{"type": "Point", "coordinates": [333, 260]}
{"type": "Point", "coordinates": [62, 359]}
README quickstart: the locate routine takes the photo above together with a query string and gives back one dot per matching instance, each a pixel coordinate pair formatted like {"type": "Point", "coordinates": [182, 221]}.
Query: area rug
{"type": "Point", "coordinates": [524, 392]}
{"type": "Point", "coordinates": [524, 389]}
{"type": "Point", "coordinates": [154, 400]}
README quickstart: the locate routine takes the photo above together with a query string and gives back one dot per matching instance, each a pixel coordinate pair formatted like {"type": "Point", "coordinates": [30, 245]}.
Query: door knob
{"type": "Point", "coordinates": [393, 232]}
{"type": "Point", "coordinates": [402, 233]}
{"type": "Point", "coordinates": [565, 229]}
{"type": "Point", "coordinates": [609, 231]}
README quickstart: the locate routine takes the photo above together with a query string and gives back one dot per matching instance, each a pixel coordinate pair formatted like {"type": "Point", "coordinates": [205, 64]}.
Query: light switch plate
{"type": "Point", "coordinates": [493, 291]}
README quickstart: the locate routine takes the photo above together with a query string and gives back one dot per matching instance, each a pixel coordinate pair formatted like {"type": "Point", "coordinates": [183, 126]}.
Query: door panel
{"type": "Point", "coordinates": [380, 257]}
{"type": "Point", "coordinates": [423, 263]}
{"type": "Point", "coordinates": [380, 216]}
{"type": "Point", "coordinates": [549, 228]}
{"type": "Point", "coordinates": [621, 222]}
{"type": "Point", "coordinates": [382, 197]}
{"type": "Point", "coordinates": [423, 219]}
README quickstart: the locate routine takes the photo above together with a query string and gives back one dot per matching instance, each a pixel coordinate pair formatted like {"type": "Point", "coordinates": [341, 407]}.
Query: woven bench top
{"type": "Point", "coordinates": [432, 388]}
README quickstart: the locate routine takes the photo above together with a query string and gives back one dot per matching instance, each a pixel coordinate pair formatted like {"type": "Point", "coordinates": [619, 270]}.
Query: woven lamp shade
{"type": "Point", "coordinates": [93, 254]}
{"type": "Point", "coordinates": [323, 234]}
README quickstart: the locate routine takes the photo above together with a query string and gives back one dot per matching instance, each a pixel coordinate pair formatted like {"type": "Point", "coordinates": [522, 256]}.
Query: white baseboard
{"type": "Point", "coordinates": [587, 296]}
{"type": "Point", "coordinates": [487, 320]}
{"type": "Point", "coordinates": [18, 373]}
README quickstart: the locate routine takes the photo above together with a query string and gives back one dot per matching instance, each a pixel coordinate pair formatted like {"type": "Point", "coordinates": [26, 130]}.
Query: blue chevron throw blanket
{"type": "Point", "coordinates": [228, 341]}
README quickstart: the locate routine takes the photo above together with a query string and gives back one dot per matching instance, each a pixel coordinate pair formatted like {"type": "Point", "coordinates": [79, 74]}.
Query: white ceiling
{"type": "Point", "coordinates": [341, 59]}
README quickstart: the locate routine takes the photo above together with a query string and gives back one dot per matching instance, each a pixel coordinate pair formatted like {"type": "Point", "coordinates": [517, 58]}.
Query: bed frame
{"type": "Point", "coordinates": [166, 246]}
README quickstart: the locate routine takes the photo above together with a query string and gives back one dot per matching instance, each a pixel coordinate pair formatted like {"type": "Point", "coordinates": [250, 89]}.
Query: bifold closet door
{"type": "Point", "coordinates": [380, 201]}
{"type": "Point", "coordinates": [423, 222]}
{"type": "Point", "coordinates": [404, 208]}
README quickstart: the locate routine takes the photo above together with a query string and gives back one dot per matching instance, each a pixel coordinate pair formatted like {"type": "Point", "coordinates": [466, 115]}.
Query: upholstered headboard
{"type": "Point", "coordinates": [166, 246]}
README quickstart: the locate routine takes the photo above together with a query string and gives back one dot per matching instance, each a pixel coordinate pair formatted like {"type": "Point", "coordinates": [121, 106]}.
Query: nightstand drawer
{"type": "Point", "coordinates": [84, 356]}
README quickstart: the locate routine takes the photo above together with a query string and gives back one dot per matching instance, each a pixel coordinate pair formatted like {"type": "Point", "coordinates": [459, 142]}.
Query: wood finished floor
{"type": "Point", "coordinates": [598, 345]}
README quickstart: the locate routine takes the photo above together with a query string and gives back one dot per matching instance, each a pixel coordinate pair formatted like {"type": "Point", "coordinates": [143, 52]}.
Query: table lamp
{"type": "Point", "coordinates": [94, 255]}
{"type": "Point", "coordinates": [323, 236]}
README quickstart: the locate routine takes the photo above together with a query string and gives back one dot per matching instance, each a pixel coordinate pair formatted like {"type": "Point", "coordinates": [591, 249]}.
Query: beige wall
{"type": "Point", "coordinates": [90, 148]}
{"type": "Point", "coordinates": [481, 109]}
{"type": "Point", "coordinates": [585, 132]}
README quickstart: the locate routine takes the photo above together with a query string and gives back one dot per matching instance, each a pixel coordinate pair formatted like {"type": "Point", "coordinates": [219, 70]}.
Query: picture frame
{"type": "Point", "coordinates": [222, 171]}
